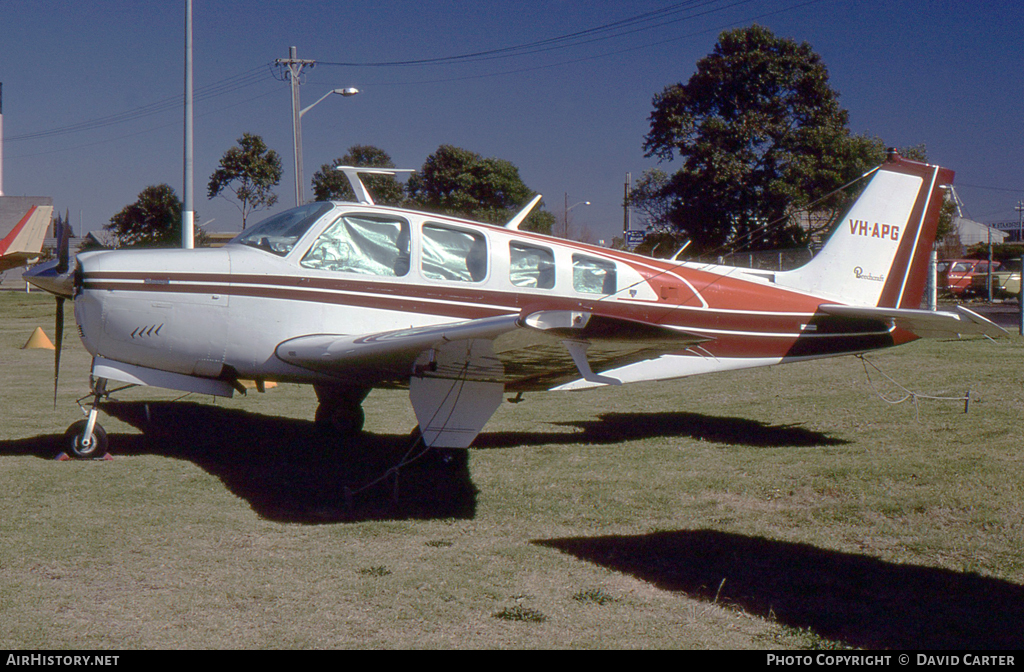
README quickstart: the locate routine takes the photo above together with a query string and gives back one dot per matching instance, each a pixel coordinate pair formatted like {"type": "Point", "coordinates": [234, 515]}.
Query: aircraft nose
{"type": "Point", "coordinates": [46, 277]}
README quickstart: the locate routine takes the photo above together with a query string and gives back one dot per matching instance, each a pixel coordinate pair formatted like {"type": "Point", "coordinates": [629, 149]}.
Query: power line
{"type": "Point", "coordinates": [596, 56]}
{"type": "Point", "coordinates": [635, 24]}
{"type": "Point", "coordinates": [569, 40]}
{"type": "Point", "coordinates": [978, 186]}
{"type": "Point", "coordinates": [67, 148]}
{"type": "Point", "coordinates": [225, 86]}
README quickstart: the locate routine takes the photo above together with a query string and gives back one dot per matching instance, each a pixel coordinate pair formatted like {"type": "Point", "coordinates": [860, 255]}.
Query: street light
{"type": "Point", "coordinates": [565, 216]}
{"type": "Point", "coordinates": [297, 130]}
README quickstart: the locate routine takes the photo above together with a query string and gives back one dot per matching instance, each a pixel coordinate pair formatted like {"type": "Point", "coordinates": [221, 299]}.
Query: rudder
{"type": "Point", "coordinates": [879, 254]}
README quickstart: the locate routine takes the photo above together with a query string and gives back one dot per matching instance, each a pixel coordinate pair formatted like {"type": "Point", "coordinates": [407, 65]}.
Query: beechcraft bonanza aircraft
{"type": "Point", "coordinates": [354, 296]}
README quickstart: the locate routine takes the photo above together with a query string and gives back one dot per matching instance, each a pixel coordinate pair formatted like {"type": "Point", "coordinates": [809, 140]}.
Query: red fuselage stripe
{"type": "Point", "coordinates": [734, 333]}
{"type": "Point", "coordinates": [9, 238]}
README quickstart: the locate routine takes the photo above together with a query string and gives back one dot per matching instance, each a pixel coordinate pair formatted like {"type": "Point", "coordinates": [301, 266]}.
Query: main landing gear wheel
{"type": "Point", "coordinates": [340, 410]}
{"type": "Point", "coordinates": [93, 447]}
{"type": "Point", "coordinates": [345, 419]}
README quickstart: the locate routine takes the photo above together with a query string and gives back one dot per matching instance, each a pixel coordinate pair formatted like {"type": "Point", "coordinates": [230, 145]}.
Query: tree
{"type": "Point", "coordinates": [154, 220]}
{"type": "Point", "coordinates": [332, 185]}
{"type": "Point", "coordinates": [459, 182]}
{"type": "Point", "coordinates": [250, 171]}
{"type": "Point", "coordinates": [760, 134]}
{"type": "Point", "coordinates": [647, 196]}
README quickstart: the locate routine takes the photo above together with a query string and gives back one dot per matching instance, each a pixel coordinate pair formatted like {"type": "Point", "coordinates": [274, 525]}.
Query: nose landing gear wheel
{"type": "Point", "coordinates": [94, 447]}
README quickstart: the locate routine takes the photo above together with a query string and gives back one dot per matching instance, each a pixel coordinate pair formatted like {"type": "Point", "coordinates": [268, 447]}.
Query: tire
{"type": "Point", "coordinates": [342, 420]}
{"type": "Point", "coordinates": [76, 448]}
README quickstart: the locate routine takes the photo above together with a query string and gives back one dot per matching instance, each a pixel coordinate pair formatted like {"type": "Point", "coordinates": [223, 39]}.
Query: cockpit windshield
{"type": "Point", "coordinates": [278, 234]}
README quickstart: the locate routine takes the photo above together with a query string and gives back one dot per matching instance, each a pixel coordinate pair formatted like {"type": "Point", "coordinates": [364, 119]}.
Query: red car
{"type": "Point", "coordinates": [955, 275]}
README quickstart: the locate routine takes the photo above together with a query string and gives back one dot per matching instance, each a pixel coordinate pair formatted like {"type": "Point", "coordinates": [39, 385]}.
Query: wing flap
{"type": "Point", "coordinates": [923, 323]}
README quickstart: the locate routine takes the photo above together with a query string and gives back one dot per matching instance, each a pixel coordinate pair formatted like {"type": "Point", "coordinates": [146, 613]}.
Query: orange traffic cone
{"type": "Point", "coordinates": [38, 340]}
{"type": "Point", "coordinates": [250, 384]}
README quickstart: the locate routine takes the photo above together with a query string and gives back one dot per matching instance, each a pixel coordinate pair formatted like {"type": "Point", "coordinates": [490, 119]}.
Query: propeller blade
{"type": "Point", "coordinates": [58, 342]}
{"type": "Point", "coordinates": [63, 236]}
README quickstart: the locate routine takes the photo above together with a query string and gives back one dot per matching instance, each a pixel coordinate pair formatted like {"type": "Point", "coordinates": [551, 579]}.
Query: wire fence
{"type": "Point", "coordinates": [766, 260]}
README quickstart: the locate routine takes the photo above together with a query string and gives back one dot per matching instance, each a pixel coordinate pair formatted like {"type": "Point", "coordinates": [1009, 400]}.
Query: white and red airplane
{"type": "Point", "coordinates": [23, 224]}
{"type": "Point", "coordinates": [354, 296]}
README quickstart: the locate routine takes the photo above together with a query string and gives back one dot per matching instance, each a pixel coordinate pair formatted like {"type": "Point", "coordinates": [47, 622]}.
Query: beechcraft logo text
{"type": "Point", "coordinates": [860, 227]}
{"type": "Point", "coordinates": [862, 275]}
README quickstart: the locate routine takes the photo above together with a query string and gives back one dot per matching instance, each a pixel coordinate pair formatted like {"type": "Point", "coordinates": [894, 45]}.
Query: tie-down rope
{"type": "Point", "coordinates": [908, 393]}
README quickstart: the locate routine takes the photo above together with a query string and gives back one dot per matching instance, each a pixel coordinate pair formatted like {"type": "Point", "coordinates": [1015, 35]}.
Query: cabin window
{"type": "Point", "coordinates": [593, 276]}
{"type": "Point", "coordinates": [278, 234]}
{"type": "Point", "coordinates": [365, 244]}
{"type": "Point", "coordinates": [453, 254]}
{"type": "Point", "coordinates": [531, 266]}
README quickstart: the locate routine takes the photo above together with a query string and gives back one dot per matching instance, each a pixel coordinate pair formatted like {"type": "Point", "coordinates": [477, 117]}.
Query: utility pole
{"type": "Point", "coordinates": [295, 66]}
{"type": "Point", "coordinates": [565, 216]}
{"type": "Point", "coordinates": [565, 219]}
{"type": "Point", "coordinates": [1020, 221]}
{"type": "Point", "coordinates": [625, 209]}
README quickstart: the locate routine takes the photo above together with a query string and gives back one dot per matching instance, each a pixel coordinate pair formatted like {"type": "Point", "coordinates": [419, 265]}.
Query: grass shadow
{"type": "Point", "coordinates": [286, 469]}
{"type": "Point", "coordinates": [289, 471]}
{"type": "Point", "coordinates": [618, 427]}
{"type": "Point", "coordinates": [858, 600]}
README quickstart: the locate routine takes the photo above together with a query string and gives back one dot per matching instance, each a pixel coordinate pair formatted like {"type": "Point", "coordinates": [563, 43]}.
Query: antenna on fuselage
{"type": "Point", "coordinates": [352, 173]}
{"type": "Point", "coordinates": [522, 214]}
{"type": "Point", "coordinates": [681, 250]}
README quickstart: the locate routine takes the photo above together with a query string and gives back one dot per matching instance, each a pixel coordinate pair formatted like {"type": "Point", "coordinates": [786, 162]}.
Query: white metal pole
{"type": "Point", "coordinates": [188, 212]}
{"type": "Point", "coordinates": [933, 284]}
{"type": "Point", "coordinates": [1, 139]}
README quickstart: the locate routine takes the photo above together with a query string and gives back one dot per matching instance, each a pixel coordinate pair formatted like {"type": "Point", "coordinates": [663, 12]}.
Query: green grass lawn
{"type": "Point", "coordinates": [789, 507]}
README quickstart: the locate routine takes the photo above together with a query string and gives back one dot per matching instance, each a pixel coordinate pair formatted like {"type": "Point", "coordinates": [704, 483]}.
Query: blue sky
{"type": "Point", "coordinates": [92, 114]}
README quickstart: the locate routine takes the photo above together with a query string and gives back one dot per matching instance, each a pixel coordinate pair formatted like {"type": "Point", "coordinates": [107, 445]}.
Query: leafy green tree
{"type": "Point", "coordinates": [456, 181]}
{"type": "Point", "coordinates": [760, 134]}
{"type": "Point", "coordinates": [332, 185]}
{"type": "Point", "coordinates": [154, 220]}
{"type": "Point", "coordinates": [540, 221]}
{"type": "Point", "coordinates": [250, 172]}
{"type": "Point", "coordinates": [647, 196]}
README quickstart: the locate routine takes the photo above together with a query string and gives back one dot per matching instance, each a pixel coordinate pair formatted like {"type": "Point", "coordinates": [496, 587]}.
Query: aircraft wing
{"type": "Point", "coordinates": [924, 323]}
{"type": "Point", "coordinates": [529, 351]}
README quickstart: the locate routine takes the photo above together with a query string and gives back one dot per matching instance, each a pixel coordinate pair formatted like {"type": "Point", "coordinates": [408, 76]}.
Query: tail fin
{"type": "Point", "coordinates": [23, 224]}
{"type": "Point", "coordinates": [879, 254]}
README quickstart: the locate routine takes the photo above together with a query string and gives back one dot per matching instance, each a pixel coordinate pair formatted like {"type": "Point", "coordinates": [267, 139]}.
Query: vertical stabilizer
{"type": "Point", "coordinates": [23, 224]}
{"type": "Point", "coordinates": [878, 255]}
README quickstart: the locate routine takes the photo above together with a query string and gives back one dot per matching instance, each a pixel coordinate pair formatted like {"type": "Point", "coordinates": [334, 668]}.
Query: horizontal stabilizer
{"type": "Point", "coordinates": [923, 323]}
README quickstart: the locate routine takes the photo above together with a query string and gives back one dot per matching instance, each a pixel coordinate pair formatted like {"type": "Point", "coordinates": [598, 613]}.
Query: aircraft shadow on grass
{"type": "Point", "coordinates": [287, 469]}
{"type": "Point", "coordinates": [854, 599]}
{"type": "Point", "coordinates": [290, 471]}
{"type": "Point", "coordinates": [618, 427]}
